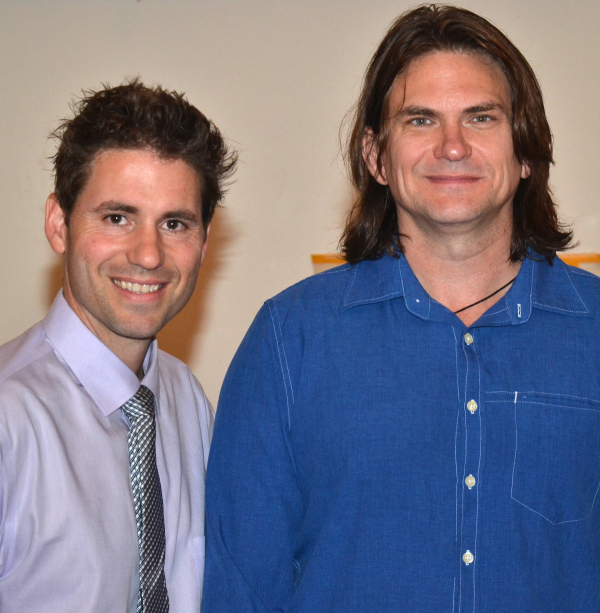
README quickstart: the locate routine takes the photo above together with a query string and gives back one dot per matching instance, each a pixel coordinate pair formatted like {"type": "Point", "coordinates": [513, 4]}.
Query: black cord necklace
{"type": "Point", "coordinates": [484, 299]}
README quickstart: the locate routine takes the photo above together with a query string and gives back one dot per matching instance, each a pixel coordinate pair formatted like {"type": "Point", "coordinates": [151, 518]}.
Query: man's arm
{"type": "Point", "coordinates": [254, 507]}
{"type": "Point", "coordinates": [4, 481]}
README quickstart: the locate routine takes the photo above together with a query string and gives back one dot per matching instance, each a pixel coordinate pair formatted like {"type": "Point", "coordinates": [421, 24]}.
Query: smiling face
{"type": "Point", "coordinates": [449, 161]}
{"type": "Point", "coordinates": [133, 247]}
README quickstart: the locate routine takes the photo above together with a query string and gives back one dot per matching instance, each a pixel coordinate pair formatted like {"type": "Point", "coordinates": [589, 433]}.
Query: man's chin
{"type": "Point", "coordinates": [138, 332]}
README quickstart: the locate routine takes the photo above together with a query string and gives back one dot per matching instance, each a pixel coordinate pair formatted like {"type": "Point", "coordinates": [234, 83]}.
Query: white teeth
{"type": "Point", "coordinates": [136, 288]}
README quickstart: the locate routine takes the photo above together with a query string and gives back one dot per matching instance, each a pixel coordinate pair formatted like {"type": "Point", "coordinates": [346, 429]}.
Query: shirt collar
{"type": "Point", "coordinates": [373, 281]}
{"type": "Point", "coordinates": [538, 285]}
{"type": "Point", "coordinates": [104, 376]}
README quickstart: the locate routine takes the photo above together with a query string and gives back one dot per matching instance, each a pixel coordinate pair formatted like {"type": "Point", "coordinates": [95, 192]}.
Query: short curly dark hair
{"type": "Point", "coordinates": [135, 116]}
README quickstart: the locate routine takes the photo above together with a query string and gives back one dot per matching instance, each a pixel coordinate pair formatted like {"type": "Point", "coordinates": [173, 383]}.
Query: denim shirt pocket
{"type": "Point", "coordinates": [556, 466]}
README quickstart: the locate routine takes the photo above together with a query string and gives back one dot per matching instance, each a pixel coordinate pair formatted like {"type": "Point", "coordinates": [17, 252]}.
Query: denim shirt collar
{"type": "Point", "coordinates": [538, 285]}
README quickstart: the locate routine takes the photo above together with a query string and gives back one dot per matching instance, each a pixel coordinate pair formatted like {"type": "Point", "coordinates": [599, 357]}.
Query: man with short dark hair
{"type": "Point", "coordinates": [419, 429]}
{"type": "Point", "coordinates": [104, 438]}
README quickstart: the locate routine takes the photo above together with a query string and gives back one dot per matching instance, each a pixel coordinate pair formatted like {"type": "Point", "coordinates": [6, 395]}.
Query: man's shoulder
{"type": "Point", "coordinates": [323, 290]}
{"type": "Point", "coordinates": [586, 279]}
{"type": "Point", "coordinates": [29, 368]}
{"type": "Point", "coordinates": [22, 352]}
{"type": "Point", "coordinates": [177, 380]}
{"type": "Point", "coordinates": [171, 366]}
{"type": "Point", "coordinates": [324, 298]}
{"type": "Point", "coordinates": [587, 287]}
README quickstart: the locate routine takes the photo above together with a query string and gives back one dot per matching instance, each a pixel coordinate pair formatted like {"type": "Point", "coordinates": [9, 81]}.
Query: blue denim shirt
{"type": "Point", "coordinates": [371, 454]}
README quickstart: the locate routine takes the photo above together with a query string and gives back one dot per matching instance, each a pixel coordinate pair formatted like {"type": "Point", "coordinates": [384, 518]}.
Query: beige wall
{"type": "Point", "coordinates": [277, 77]}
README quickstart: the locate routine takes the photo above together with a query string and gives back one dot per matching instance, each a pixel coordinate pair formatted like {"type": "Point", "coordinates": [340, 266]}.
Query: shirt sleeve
{"type": "Point", "coordinates": [3, 502]}
{"type": "Point", "coordinates": [254, 507]}
{"type": "Point", "coordinates": [8, 481]}
{"type": "Point", "coordinates": [206, 416]}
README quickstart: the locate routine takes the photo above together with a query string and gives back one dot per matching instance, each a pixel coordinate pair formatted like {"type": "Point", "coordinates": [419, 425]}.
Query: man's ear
{"type": "Point", "coordinates": [370, 153]}
{"type": "Point", "coordinates": [204, 247]}
{"type": "Point", "coordinates": [56, 225]}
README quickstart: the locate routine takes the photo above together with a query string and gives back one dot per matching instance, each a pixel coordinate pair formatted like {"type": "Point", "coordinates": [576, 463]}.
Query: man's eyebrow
{"type": "Point", "coordinates": [421, 111]}
{"type": "Point", "coordinates": [111, 206]}
{"type": "Point", "coordinates": [486, 107]}
{"type": "Point", "coordinates": [183, 215]}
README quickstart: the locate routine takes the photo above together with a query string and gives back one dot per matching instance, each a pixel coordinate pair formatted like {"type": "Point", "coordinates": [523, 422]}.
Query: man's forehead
{"type": "Point", "coordinates": [482, 57]}
{"type": "Point", "coordinates": [141, 152]}
{"type": "Point", "coordinates": [456, 70]}
{"type": "Point", "coordinates": [136, 158]}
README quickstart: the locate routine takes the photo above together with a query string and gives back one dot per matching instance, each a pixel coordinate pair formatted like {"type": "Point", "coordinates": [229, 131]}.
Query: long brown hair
{"type": "Point", "coordinates": [372, 225]}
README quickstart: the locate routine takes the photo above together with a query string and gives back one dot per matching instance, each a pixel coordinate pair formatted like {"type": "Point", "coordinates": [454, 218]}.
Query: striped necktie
{"type": "Point", "coordinates": [147, 498]}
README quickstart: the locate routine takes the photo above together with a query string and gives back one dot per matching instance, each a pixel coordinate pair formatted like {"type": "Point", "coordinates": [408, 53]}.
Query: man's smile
{"type": "Point", "coordinates": [453, 179]}
{"type": "Point", "coordinates": [137, 288]}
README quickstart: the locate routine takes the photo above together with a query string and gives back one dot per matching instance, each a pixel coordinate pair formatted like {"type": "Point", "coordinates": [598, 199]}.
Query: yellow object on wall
{"type": "Point", "coordinates": [324, 261]}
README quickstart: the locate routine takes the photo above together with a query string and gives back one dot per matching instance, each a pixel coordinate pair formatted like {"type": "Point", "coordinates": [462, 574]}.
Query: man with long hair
{"type": "Point", "coordinates": [103, 437]}
{"type": "Point", "coordinates": [419, 429]}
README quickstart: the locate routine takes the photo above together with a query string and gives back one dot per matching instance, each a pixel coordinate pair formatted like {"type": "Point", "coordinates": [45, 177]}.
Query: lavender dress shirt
{"type": "Point", "coordinates": [68, 538]}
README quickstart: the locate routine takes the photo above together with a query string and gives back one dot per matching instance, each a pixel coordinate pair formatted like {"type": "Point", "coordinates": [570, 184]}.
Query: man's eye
{"type": "Point", "coordinates": [116, 219]}
{"type": "Point", "coordinates": [420, 121]}
{"type": "Point", "coordinates": [174, 224]}
{"type": "Point", "coordinates": [481, 119]}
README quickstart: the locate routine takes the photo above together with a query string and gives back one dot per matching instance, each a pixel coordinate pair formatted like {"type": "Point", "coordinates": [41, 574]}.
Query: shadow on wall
{"type": "Point", "coordinates": [179, 335]}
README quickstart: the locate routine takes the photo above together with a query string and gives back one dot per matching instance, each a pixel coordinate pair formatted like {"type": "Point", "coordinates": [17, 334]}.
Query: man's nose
{"type": "Point", "coordinates": [453, 144]}
{"type": "Point", "coordinates": [145, 248]}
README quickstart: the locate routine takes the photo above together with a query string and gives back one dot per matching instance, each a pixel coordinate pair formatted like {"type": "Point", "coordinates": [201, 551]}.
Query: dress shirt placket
{"type": "Point", "coordinates": [469, 433]}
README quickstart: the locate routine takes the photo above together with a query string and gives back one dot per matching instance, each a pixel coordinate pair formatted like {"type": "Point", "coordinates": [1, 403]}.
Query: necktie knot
{"type": "Point", "coordinates": [140, 405]}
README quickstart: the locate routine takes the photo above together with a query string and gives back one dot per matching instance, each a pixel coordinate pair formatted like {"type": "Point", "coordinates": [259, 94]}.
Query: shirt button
{"type": "Point", "coordinates": [470, 481]}
{"type": "Point", "coordinates": [468, 339]}
{"type": "Point", "coordinates": [468, 557]}
{"type": "Point", "coordinates": [472, 406]}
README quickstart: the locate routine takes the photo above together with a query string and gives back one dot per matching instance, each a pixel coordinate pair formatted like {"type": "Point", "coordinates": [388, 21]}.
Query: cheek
{"type": "Point", "coordinates": [187, 259]}
{"type": "Point", "coordinates": [406, 154]}
{"type": "Point", "coordinates": [94, 247]}
{"type": "Point", "coordinates": [500, 155]}
{"type": "Point", "coordinates": [512, 171]}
